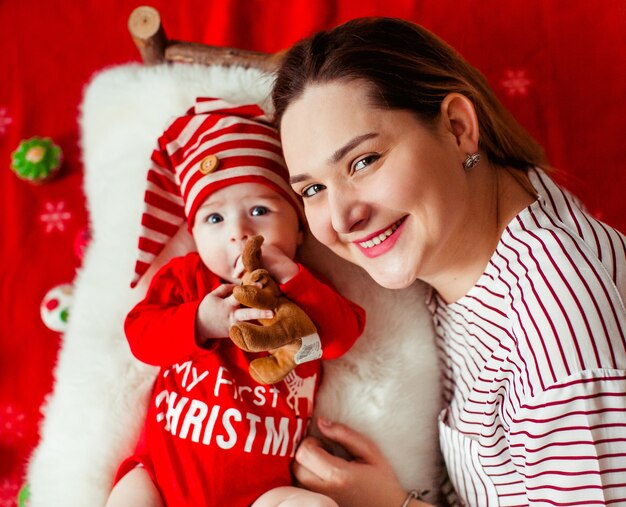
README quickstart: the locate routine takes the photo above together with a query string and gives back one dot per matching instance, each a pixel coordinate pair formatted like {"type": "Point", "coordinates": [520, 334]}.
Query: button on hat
{"type": "Point", "coordinates": [209, 164]}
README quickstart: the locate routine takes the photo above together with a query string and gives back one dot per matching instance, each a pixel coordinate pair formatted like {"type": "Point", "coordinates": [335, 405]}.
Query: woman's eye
{"type": "Point", "coordinates": [258, 211]}
{"type": "Point", "coordinates": [362, 163]}
{"type": "Point", "coordinates": [311, 190]}
{"type": "Point", "coordinates": [214, 218]}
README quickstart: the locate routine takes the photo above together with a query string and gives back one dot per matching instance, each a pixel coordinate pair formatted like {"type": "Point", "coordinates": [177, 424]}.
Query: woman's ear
{"type": "Point", "coordinates": [459, 117]}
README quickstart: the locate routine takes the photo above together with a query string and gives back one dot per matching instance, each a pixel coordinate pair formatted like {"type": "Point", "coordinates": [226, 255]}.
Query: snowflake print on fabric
{"type": "Point", "coordinates": [516, 82]}
{"type": "Point", "coordinates": [12, 424]}
{"type": "Point", "coordinates": [55, 216]}
{"type": "Point", "coordinates": [5, 120]}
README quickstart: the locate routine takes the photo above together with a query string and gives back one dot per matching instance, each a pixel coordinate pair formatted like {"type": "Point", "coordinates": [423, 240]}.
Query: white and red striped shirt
{"type": "Point", "coordinates": [534, 363]}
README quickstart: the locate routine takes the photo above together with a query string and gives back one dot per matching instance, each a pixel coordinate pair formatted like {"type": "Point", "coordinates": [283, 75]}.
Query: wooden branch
{"type": "Point", "coordinates": [144, 24]}
{"type": "Point", "coordinates": [145, 27]}
{"type": "Point", "coordinates": [191, 52]}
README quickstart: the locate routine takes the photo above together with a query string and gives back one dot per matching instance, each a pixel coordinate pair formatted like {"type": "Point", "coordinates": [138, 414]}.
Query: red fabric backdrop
{"type": "Point", "coordinates": [559, 66]}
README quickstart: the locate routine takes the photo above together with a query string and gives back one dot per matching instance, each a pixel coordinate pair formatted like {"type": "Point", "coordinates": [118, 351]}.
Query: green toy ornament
{"type": "Point", "coordinates": [23, 496]}
{"type": "Point", "coordinates": [36, 159]}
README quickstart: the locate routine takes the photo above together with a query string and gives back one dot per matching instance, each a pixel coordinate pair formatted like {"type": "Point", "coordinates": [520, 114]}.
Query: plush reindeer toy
{"type": "Point", "coordinates": [282, 335]}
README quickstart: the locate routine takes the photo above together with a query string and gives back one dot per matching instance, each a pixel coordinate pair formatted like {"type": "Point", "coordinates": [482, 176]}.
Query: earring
{"type": "Point", "coordinates": [471, 161]}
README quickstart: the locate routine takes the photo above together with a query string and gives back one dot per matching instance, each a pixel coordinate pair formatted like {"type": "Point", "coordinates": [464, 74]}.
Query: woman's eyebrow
{"type": "Point", "coordinates": [298, 178]}
{"type": "Point", "coordinates": [337, 156]}
{"type": "Point", "coordinates": [349, 146]}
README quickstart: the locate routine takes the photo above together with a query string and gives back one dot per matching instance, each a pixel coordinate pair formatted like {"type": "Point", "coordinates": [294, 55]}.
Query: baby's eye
{"type": "Point", "coordinates": [258, 211]}
{"type": "Point", "coordinates": [214, 218]}
{"type": "Point", "coordinates": [311, 190]}
{"type": "Point", "coordinates": [362, 163]}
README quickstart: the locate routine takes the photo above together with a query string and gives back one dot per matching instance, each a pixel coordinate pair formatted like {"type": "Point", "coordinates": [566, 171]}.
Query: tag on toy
{"type": "Point", "coordinates": [310, 350]}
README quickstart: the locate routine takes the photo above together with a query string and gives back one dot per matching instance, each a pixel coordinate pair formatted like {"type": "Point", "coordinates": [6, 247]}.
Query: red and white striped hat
{"type": "Point", "coordinates": [214, 145]}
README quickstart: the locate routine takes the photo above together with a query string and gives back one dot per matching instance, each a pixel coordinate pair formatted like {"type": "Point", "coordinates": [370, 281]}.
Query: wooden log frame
{"type": "Point", "coordinates": [145, 27]}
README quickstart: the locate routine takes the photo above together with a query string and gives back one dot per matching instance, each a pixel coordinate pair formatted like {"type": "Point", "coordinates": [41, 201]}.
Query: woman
{"type": "Point", "coordinates": [410, 168]}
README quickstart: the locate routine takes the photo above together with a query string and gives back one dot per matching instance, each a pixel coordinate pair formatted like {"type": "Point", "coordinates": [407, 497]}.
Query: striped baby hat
{"type": "Point", "coordinates": [214, 145]}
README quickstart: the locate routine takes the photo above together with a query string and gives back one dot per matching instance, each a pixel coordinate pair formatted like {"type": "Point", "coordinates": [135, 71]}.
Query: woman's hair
{"type": "Point", "coordinates": [407, 67]}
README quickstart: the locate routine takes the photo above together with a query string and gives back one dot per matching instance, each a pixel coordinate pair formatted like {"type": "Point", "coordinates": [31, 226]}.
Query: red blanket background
{"type": "Point", "coordinates": [558, 66]}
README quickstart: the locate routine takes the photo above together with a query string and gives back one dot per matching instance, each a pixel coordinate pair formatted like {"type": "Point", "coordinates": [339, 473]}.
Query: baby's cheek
{"type": "Point", "coordinates": [318, 211]}
{"type": "Point", "coordinates": [322, 228]}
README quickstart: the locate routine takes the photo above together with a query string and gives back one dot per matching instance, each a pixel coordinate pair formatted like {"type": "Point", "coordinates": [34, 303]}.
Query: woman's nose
{"type": "Point", "coordinates": [347, 215]}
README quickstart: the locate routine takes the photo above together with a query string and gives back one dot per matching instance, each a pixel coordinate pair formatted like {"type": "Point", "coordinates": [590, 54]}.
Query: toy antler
{"type": "Point", "coordinates": [251, 255]}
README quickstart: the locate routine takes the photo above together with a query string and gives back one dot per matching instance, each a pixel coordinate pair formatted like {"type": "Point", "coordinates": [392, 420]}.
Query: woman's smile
{"type": "Point", "coordinates": [382, 241]}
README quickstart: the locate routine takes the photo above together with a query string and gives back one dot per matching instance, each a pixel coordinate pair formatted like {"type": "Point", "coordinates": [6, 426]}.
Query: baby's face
{"type": "Point", "coordinates": [231, 215]}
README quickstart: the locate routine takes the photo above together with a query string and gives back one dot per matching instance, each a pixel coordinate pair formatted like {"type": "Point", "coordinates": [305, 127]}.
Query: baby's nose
{"type": "Point", "coordinates": [241, 232]}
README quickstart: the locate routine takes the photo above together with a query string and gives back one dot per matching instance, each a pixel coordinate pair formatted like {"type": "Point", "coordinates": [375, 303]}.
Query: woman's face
{"type": "Point", "coordinates": [380, 188]}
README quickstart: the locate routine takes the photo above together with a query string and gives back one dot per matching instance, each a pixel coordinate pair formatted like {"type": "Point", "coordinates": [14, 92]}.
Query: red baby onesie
{"type": "Point", "coordinates": [213, 436]}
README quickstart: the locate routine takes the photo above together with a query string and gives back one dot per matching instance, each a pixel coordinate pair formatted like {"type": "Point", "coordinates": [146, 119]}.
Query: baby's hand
{"type": "Point", "coordinates": [280, 266]}
{"type": "Point", "coordinates": [219, 310]}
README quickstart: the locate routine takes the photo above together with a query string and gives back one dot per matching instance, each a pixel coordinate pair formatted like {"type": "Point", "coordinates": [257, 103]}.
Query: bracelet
{"type": "Point", "coordinates": [414, 495]}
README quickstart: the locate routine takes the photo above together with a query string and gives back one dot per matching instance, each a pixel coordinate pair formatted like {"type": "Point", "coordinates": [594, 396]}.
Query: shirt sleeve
{"type": "Point", "coordinates": [161, 328]}
{"type": "Point", "coordinates": [567, 435]}
{"type": "Point", "coordinates": [339, 321]}
{"type": "Point", "coordinates": [568, 441]}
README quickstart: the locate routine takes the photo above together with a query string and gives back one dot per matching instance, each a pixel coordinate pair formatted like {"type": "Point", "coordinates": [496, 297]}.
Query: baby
{"type": "Point", "coordinates": [214, 436]}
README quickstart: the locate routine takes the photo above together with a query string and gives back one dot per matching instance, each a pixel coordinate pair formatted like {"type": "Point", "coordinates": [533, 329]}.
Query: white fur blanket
{"type": "Point", "coordinates": [386, 386]}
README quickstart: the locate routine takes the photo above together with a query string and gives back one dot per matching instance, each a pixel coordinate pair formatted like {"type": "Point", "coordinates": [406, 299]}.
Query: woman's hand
{"type": "Point", "coordinates": [219, 310]}
{"type": "Point", "coordinates": [367, 480]}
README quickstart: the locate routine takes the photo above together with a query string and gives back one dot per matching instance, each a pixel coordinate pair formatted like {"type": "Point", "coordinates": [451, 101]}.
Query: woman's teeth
{"type": "Point", "coordinates": [377, 240]}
